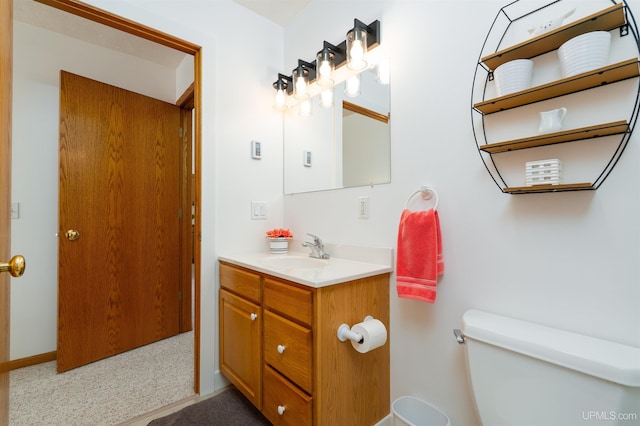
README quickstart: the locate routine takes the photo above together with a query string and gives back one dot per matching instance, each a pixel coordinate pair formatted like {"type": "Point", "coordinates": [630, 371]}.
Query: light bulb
{"type": "Point", "coordinates": [305, 108]}
{"type": "Point", "coordinates": [326, 98]}
{"type": "Point", "coordinates": [279, 105]}
{"type": "Point", "coordinates": [356, 49]}
{"type": "Point", "coordinates": [324, 72]}
{"type": "Point", "coordinates": [352, 86]}
{"type": "Point", "coordinates": [300, 87]}
{"type": "Point", "coordinates": [382, 73]}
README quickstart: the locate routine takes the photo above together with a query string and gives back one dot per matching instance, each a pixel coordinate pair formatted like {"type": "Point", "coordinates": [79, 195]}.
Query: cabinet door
{"type": "Point", "coordinates": [241, 344]}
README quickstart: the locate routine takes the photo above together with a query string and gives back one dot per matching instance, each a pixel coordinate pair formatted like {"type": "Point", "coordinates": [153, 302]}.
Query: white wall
{"type": "Point", "coordinates": [568, 260]}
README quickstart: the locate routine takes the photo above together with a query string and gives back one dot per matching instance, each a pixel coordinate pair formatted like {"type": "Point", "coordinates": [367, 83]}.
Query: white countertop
{"type": "Point", "coordinates": [350, 266]}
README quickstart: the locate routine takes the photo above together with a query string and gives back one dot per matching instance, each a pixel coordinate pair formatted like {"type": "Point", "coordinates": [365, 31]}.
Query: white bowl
{"type": "Point", "coordinates": [584, 53]}
{"type": "Point", "coordinates": [513, 76]}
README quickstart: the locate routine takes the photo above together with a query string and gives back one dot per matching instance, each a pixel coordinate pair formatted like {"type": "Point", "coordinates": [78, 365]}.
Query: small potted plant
{"type": "Point", "coordinates": [279, 240]}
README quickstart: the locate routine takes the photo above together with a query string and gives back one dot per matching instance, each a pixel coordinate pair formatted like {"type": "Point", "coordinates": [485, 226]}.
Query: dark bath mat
{"type": "Point", "coordinates": [229, 408]}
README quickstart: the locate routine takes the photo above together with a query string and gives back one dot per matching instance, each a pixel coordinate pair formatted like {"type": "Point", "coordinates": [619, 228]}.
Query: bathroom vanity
{"type": "Point", "coordinates": [279, 316]}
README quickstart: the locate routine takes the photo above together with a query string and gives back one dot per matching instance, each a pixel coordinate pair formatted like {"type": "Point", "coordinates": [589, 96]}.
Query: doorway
{"type": "Point", "coordinates": [105, 18]}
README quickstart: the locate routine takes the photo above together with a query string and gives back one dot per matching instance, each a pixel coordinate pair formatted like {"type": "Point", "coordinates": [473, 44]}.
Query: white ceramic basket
{"type": "Point", "coordinates": [543, 172]}
{"type": "Point", "coordinates": [513, 76]}
{"type": "Point", "coordinates": [584, 53]}
{"type": "Point", "coordinates": [278, 245]}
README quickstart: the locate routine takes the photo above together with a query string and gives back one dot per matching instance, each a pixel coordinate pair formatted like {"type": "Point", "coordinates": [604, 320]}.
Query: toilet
{"type": "Point", "coordinates": [527, 374]}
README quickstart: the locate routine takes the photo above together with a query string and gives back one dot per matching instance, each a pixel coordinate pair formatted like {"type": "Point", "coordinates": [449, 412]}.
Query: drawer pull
{"type": "Point", "coordinates": [281, 409]}
{"type": "Point", "coordinates": [281, 349]}
{"type": "Point", "coordinates": [253, 316]}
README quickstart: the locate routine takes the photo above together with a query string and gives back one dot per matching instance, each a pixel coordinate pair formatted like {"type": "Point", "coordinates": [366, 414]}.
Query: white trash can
{"type": "Point", "coordinates": [411, 411]}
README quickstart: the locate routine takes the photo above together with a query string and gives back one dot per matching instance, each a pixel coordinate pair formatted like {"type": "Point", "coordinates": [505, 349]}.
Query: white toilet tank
{"type": "Point", "coordinates": [526, 374]}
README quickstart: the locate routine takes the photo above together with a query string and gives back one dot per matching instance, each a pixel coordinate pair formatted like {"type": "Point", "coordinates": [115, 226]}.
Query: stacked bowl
{"type": "Point", "coordinates": [513, 76]}
{"type": "Point", "coordinates": [584, 53]}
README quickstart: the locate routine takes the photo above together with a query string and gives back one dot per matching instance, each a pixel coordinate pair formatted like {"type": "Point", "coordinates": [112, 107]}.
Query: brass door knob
{"type": "Point", "coordinates": [72, 235]}
{"type": "Point", "coordinates": [15, 267]}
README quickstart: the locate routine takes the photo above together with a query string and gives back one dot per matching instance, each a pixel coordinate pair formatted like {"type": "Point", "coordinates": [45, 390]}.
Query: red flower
{"type": "Point", "coordinates": [279, 233]}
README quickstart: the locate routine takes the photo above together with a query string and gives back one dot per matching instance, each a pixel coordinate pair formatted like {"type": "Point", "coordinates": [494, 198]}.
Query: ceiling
{"type": "Point", "coordinates": [50, 18]}
{"type": "Point", "coordinates": [31, 12]}
{"type": "Point", "coordinates": [279, 11]}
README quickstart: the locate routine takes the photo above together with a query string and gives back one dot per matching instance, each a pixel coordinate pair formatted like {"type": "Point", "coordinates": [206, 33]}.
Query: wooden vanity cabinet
{"type": "Point", "coordinates": [310, 377]}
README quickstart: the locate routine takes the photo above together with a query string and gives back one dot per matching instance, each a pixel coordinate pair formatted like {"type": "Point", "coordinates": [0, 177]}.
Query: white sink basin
{"type": "Point", "coordinates": [295, 262]}
{"type": "Point", "coordinates": [347, 263]}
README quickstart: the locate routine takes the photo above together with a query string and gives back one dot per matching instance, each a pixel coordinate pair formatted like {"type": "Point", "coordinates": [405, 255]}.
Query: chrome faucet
{"type": "Point", "coordinates": [317, 247]}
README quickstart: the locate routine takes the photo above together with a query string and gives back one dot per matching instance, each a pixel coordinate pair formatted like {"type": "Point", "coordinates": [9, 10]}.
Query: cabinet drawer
{"type": "Point", "coordinates": [242, 282]}
{"type": "Point", "coordinates": [296, 406]}
{"type": "Point", "coordinates": [289, 300]}
{"type": "Point", "coordinates": [287, 347]}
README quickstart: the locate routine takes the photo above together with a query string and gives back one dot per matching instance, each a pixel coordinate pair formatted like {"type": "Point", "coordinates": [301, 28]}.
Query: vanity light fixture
{"type": "Point", "coordinates": [328, 69]}
{"type": "Point", "coordinates": [281, 85]}
{"type": "Point", "coordinates": [302, 75]}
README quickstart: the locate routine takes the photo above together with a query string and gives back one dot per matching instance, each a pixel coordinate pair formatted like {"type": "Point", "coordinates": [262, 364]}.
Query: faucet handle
{"type": "Point", "coordinates": [316, 239]}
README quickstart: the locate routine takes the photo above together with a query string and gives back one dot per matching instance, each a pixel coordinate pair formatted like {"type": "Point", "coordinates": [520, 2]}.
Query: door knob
{"type": "Point", "coordinates": [72, 235]}
{"type": "Point", "coordinates": [15, 267]}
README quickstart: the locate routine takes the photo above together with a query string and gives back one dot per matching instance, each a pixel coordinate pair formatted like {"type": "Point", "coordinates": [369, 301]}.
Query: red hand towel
{"type": "Point", "coordinates": [419, 258]}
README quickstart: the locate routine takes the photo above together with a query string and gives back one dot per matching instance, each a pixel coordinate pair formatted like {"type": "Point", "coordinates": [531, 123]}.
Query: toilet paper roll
{"type": "Point", "coordinates": [374, 335]}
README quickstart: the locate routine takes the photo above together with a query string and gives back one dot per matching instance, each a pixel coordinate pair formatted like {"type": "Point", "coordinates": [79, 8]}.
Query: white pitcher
{"type": "Point", "coordinates": [551, 121]}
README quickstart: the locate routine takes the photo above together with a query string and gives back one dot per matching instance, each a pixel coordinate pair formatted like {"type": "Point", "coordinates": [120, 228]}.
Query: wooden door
{"type": "Point", "coordinates": [6, 36]}
{"type": "Point", "coordinates": [119, 189]}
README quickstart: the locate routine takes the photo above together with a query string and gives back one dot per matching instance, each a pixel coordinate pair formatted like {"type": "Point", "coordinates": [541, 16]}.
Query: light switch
{"type": "Point", "coordinates": [258, 210]}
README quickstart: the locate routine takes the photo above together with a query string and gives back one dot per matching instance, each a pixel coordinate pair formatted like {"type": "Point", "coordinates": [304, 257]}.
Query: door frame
{"type": "Point", "coordinates": [6, 84]}
{"type": "Point", "coordinates": [134, 28]}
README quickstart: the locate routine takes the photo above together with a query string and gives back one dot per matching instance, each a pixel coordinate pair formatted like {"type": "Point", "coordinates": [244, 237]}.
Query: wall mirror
{"type": "Point", "coordinates": [345, 145]}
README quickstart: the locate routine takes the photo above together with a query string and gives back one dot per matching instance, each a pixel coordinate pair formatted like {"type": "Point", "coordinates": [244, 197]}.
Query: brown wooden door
{"type": "Point", "coordinates": [6, 31]}
{"type": "Point", "coordinates": [119, 189]}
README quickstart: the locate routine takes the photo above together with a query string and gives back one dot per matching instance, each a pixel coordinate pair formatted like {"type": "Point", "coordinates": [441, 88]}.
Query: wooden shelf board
{"type": "Point", "coordinates": [590, 132]}
{"type": "Point", "coordinates": [548, 188]}
{"type": "Point", "coordinates": [587, 80]}
{"type": "Point", "coordinates": [604, 20]}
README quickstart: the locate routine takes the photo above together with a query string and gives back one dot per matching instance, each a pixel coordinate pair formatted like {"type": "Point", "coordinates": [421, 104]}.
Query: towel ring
{"type": "Point", "coordinates": [427, 193]}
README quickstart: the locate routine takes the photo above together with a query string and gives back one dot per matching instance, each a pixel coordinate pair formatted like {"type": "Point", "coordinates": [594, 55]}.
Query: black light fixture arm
{"type": "Point", "coordinates": [309, 69]}
{"type": "Point", "coordinates": [373, 32]}
{"type": "Point", "coordinates": [284, 82]}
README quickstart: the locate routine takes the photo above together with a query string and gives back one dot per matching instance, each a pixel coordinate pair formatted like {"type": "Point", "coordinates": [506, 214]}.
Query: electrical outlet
{"type": "Point", "coordinates": [363, 208]}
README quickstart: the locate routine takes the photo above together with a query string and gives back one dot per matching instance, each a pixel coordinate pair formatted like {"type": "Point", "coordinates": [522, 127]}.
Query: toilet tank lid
{"type": "Point", "coordinates": [600, 358]}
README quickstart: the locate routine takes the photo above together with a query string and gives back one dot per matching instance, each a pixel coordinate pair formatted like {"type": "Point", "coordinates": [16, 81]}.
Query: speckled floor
{"type": "Point", "coordinates": [106, 392]}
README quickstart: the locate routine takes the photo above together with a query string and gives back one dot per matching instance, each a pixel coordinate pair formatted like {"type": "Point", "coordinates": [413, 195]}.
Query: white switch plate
{"type": "Point", "coordinates": [363, 207]}
{"type": "Point", "coordinates": [15, 210]}
{"type": "Point", "coordinates": [258, 210]}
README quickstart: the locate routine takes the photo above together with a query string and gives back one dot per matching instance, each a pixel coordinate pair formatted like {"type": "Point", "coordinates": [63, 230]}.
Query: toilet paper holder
{"type": "Point", "coordinates": [345, 333]}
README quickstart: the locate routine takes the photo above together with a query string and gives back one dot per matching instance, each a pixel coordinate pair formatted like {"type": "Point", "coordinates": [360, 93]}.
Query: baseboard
{"type": "Point", "coordinates": [387, 421]}
{"type": "Point", "coordinates": [32, 360]}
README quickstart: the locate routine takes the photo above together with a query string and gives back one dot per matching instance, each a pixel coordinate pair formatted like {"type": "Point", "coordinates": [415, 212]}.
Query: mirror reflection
{"type": "Point", "coordinates": [344, 145]}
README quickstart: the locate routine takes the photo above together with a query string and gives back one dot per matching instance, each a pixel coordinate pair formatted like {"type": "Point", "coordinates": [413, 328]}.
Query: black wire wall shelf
{"type": "Point", "coordinates": [608, 19]}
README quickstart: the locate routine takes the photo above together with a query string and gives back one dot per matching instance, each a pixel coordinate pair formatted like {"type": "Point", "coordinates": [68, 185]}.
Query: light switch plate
{"type": "Point", "coordinates": [15, 210]}
{"type": "Point", "coordinates": [258, 210]}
